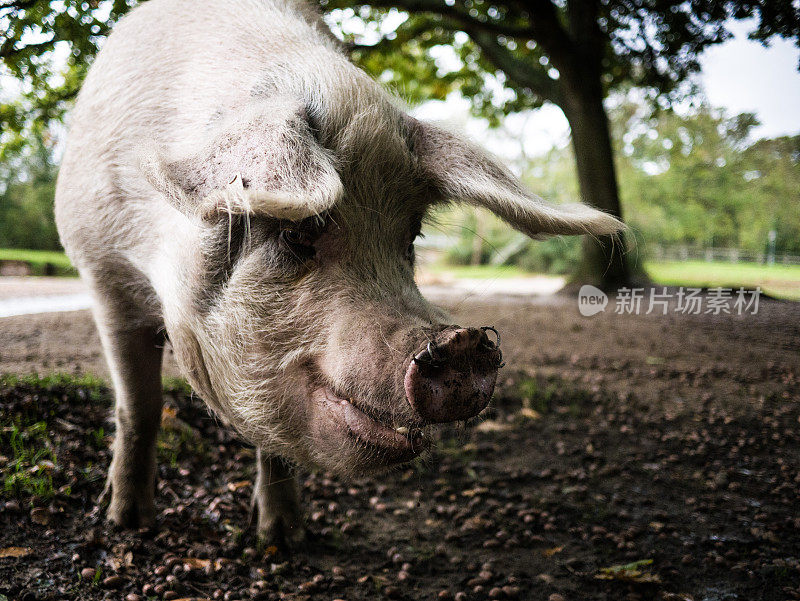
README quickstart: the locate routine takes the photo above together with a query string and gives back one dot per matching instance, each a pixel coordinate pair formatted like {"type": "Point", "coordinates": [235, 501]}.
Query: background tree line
{"type": "Point", "coordinates": [696, 180]}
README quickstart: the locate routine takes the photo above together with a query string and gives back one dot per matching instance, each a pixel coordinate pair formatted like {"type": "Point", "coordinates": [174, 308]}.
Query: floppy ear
{"type": "Point", "coordinates": [460, 171]}
{"type": "Point", "coordinates": [264, 160]}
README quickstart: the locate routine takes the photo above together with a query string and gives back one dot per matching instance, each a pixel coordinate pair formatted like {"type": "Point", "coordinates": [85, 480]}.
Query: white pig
{"type": "Point", "coordinates": [231, 180]}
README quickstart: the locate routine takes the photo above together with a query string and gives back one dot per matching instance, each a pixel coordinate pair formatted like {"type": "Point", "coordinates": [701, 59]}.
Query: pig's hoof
{"type": "Point", "coordinates": [131, 513]}
{"type": "Point", "coordinates": [285, 534]}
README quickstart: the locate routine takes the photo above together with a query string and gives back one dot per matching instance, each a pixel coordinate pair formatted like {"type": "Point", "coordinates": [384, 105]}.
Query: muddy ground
{"type": "Point", "coordinates": [624, 457]}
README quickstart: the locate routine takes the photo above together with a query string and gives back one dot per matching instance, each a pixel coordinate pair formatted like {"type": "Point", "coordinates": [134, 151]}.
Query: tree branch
{"type": "Point", "coordinates": [18, 4]}
{"type": "Point", "coordinates": [455, 14]}
{"type": "Point", "coordinates": [548, 32]}
{"type": "Point", "coordinates": [586, 34]}
{"type": "Point", "coordinates": [517, 70]}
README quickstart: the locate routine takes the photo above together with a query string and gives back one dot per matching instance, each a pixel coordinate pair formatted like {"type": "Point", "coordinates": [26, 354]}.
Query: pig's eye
{"type": "Point", "coordinates": [298, 242]}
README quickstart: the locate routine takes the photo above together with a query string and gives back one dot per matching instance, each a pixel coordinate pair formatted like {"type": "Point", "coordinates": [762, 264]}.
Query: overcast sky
{"type": "Point", "coordinates": [743, 75]}
{"type": "Point", "coordinates": [739, 75]}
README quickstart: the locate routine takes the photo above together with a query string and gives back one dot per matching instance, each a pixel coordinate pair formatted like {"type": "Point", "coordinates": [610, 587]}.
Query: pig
{"type": "Point", "coordinates": [233, 183]}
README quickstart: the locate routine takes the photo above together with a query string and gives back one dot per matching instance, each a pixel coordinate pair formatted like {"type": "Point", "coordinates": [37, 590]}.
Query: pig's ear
{"type": "Point", "coordinates": [462, 172]}
{"type": "Point", "coordinates": [265, 161]}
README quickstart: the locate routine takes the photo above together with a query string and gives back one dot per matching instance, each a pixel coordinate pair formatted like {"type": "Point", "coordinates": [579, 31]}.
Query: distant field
{"type": "Point", "coordinates": [39, 260]}
{"type": "Point", "coordinates": [781, 281]}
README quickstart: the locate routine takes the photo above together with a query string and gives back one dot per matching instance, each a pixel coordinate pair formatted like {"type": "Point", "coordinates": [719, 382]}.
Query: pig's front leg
{"type": "Point", "coordinates": [134, 358]}
{"type": "Point", "coordinates": [133, 346]}
{"type": "Point", "coordinates": [276, 496]}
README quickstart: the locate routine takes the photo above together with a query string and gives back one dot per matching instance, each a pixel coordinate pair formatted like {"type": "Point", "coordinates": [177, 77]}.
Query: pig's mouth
{"type": "Point", "coordinates": [389, 444]}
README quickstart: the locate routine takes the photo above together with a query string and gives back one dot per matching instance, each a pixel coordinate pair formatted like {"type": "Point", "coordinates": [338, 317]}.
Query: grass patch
{"type": "Point", "coordinates": [176, 386]}
{"type": "Point", "coordinates": [42, 262]}
{"type": "Point", "coordinates": [535, 395]}
{"type": "Point", "coordinates": [30, 458]}
{"type": "Point", "coordinates": [84, 386]}
{"type": "Point", "coordinates": [547, 395]}
{"type": "Point", "coordinates": [97, 387]}
{"type": "Point", "coordinates": [52, 380]}
{"type": "Point", "coordinates": [780, 281]}
{"type": "Point", "coordinates": [172, 446]}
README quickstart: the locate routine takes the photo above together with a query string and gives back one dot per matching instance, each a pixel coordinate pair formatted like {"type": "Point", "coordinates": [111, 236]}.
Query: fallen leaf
{"type": "Point", "coordinates": [656, 526]}
{"type": "Point", "coordinates": [493, 426]}
{"type": "Point", "coordinates": [234, 486]}
{"type": "Point", "coordinates": [40, 515]}
{"type": "Point", "coordinates": [171, 422]}
{"type": "Point", "coordinates": [530, 413]}
{"type": "Point", "coordinates": [15, 552]}
{"type": "Point", "coordinates": [196, 563]}
{"type": "Point", "coordinates": [629, 572]}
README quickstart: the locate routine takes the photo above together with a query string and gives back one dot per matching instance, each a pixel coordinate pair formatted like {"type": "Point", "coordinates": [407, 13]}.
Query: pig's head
{"type": "Point", "coordinates": [300, 321]}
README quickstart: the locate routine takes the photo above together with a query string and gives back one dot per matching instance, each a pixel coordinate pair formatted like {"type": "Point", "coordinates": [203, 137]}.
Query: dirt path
{"type": "Point", "coordinates": [670, 444]}
{"type": "Point", "coordinates": [694, 358]}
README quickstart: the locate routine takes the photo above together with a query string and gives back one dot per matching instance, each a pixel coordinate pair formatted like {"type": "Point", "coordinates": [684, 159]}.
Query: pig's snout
{"type": "Point", "coordinates": [453, 377]}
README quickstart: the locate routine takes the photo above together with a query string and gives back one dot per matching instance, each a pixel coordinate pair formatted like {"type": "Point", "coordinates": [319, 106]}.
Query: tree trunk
{"type": "Point", "coordinates": [604, 263]}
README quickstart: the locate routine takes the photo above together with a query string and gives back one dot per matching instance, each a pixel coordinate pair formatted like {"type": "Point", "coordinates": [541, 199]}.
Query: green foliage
{"type": "Point", "coordinates": [33, 31]}
{"type": "Point", "coordinates": [97, 438]}
{"type": "Point", "coordinates": [30, 458]}
{"type": "Point", "coordinates": [41, 262]}
{"type": "Point", "coordinates": [505, 56]}
{"type": "Point", "coordinates": [57, 380]}
{"type": "Point", "coordinates": [509, 56]}
{"type": "Point", "coordinates": [175, 386]}
{"type": "Point", "coordinates": [696, 180]}
{"type": "Point", "coordinates": [27, 188]}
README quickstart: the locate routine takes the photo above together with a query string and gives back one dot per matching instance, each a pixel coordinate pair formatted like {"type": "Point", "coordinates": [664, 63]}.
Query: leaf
{"type": "Point", "coordinates": [530, 413]}
{"type": "Point", "coordinates": [40, 515]}
{"type": "Point", "coordinates": [196, 563]}
{"type": "Point", "coordinates": [493, 426]}
{"type": "Point", "coordinates": [15, 552]}
{"type": "Point", "coordinates": [629, 572]}
{"type": "Point", "coordinates": [234, 486]}
{"type": "Point", "coordinates": [553, 551]}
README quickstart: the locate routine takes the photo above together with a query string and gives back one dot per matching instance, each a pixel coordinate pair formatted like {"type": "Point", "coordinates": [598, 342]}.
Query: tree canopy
{"type": "Point", "coordinates": [522, 46]}
{"type": "Point", "coordinates": [529, 45]}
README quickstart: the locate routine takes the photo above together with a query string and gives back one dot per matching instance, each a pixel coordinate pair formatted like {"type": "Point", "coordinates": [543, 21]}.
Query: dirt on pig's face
{"type": "Point", "coordinates": [306, 331]}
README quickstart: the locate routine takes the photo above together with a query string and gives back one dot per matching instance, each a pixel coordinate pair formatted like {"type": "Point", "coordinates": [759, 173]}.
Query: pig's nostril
{"type": "Point", "coordinates": [429, 356]}
{"type": "Point", "coordinates": [432, 351]}
{"type": "Point", "coordinates": [488, 342]}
